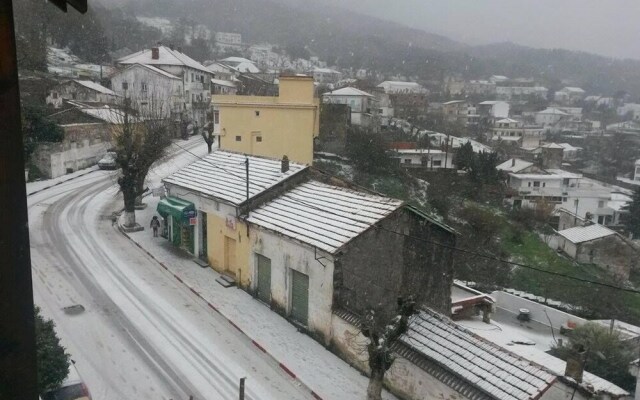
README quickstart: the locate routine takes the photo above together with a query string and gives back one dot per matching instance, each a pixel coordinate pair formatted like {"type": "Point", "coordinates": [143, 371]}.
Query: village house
{"type": "Point", "coordinates": [228, 41]}
{"type": "Point", "coordinates": [401, 87]}
{"type": "Point", "coordinates": [632, 110]}
{"type": "Point", "coordinates": [221, 71]}
{"type": "Point", "coordinates": [84, 91]}
{"type": "Point", "coordinates": [460, 111]}
{"type": "Point", "coordinates": [599, 245]}
{"type": "Point", "coordinates": [190, 96]}
{"type": "Point", "coordinates": [221, 86]}
{"type": "Point", "coordinates": [325, 75]}
{"type": "Point", "coordinates": [87, 137]}
{"type": "Point", "coordinates": [569, 95]}
{"type": "Point", "coordinates": [516, 165]}
{"type": "Point", "coordinates": [271, 126]}
{"type": "Point", "coordinates": [363, 105]}
{"type": "Point", "coordinates": [515, 132]}
{"type": "Point", "coordinates": [480, 87]}
{"type": "Point", "coordinates": [549, 117]}
{"type": "Point", "coordinates": [207, 200]}
{"type": "Point", "coordinates": [423, 158]}
{"type": "Point", "coordinates": [493, 110]}
{"type": "Point", "coordinates": [521, 92]}
{"type": "Point", "coordinates": [240, 65]}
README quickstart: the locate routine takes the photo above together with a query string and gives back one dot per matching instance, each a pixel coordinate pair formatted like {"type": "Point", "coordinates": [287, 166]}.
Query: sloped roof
{"type": "Point", "coordinates": [236, 60]}
{"type": "Point", "coordinates": [348, 91]}
{"type": "Point", "coordinates": [153, 69]}
{"type": "Point", "coordinates": [223, 82]}
{"type": "Point", "coordinates": [514, 165]}
{"type": "Point", "coordinates": [492, 102]}
{"type": "Point", "coordinates": [552, 146]}
{"type": "Point", "coordinates": [95, 86]}
{"type": "Point", "coordinates": [507, 120]}
{"type": "Point", "coordinates": [166, 56]}
{"type": "Point", "coordinates": [493, 370]}
{"type": "Point", "coordinates": [109, 115]}
{"type": "Point", "coordinates": [322, 215]}
{"type": "Point", "coordinates": [552, 110]}
{"type": "Point", "coordinates": [580, 234]}
{"type": "Point", "coordinates": [222, 175]}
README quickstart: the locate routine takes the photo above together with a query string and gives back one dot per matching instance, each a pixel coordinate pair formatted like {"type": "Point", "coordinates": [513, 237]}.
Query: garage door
{"type": "Point", "coordinates": [299, 296]}
{"type": "Point", "coordinates": [264, 279]}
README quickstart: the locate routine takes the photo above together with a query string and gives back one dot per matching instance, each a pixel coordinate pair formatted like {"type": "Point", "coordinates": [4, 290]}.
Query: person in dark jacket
{"type": "Point", "coordinates": [155, 224]}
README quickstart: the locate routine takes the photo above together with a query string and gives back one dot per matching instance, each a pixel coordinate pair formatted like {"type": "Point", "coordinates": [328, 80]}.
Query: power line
{"type": "Point", "coordinates": [452, 248]}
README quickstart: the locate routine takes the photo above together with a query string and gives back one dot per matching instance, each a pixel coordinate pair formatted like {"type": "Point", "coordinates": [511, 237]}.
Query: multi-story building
{"type": "Point", "coordinates": [271, 126]}
{"type": "Point", "coordinates": [363, 105]}
{"type": "Point", "coordinates": [569, 95]}
{"type": "Point", "coordinates": [325, 75]}
{"type": "Point", "coordinates": [460, 111]}
{"type": "Point", "coordinates": [511, 130]}
{"type": "Point", "coordinates": [164, 75]}
{"type": "Point", "coordinates": [395, 87]}
{"type": "Point", "coordinates": [480, 87]}
{"type": "Point", "coordinates": [228, 40]}
{"type": "Point", "coordinates": [521, 92]}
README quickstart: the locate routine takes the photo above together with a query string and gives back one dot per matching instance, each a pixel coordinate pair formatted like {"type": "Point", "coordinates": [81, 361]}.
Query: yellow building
{"type": "Point", "coordinates": [207, 201]}
{"type": "Point", "coordinates": [272, 126]}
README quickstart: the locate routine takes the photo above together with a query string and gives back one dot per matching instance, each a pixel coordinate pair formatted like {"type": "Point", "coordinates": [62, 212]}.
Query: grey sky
{"type": "Point", "coordinates": [607, 27]}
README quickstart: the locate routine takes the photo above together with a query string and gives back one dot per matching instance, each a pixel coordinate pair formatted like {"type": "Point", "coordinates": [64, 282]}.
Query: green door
{"type": "Point", "coordinates": [299, 296]}
{"type": "Point", "coordinates": [264, 279]}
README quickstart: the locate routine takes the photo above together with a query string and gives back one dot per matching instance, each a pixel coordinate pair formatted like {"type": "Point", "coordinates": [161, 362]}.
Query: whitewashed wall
{"type": "Point", "coordinates": [286, 255]}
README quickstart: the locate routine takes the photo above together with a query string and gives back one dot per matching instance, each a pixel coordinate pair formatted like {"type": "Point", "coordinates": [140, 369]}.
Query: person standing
{"type": "Point", "coordinates": [155, 224]}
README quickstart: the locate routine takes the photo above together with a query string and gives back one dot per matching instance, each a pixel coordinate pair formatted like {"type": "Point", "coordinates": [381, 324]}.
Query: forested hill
{"type": "Point", "coordinates": [340, 37]}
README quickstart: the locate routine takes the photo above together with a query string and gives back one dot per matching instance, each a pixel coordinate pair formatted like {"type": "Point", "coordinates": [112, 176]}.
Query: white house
{"type": "Point", "coordinates": [425, 158]}
{"type": "Point", "coordinates": [240, 64]}
{"type": "Point", "coordinates": [363, 105]}
{"type": "Point", "coordinates": [493, 109]}
{"type": "Point", "coordinates": [396, 87]}
{"type": "Point", "coordinates": [84, 91]}
{"type": "Point", "coordinates": [221, 86]}
{"type": "Point", "coordinates": [516, 165]}
{"type": "Point", "coordinates": [513, 92]}
{"type": "Point", "coordinates": [293, 252]}
{"type": "Point", "coordinates": [630, 108]}
{"type": "Point", "coordinates": [569, 94]}
{"type": "Point", "coordinates": [228, 40]}
{"type": "Point", "coordinates": [151, 90]}
{"type": "Point", "coordinates": [515, 132]}
{"type": "Point", "coordinates": [325, 75]}
{"type": "Point", "coordinates": [194, 89]}
{"type": "Point", "coordinates": [549, 117]}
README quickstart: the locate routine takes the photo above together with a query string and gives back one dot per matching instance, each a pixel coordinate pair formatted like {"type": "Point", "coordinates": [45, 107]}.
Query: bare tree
{"type": "Point", "coordinates": [381, 337]}
{"type": "Point", "coordinates": [141, 136]}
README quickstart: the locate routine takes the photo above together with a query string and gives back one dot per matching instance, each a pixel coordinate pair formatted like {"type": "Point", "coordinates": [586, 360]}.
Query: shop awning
{"type": "Point", "coordinates": [177, 208]}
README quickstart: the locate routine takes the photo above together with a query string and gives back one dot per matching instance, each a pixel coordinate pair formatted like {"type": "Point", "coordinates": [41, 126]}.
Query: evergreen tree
{"type": "Point", "coordinates": [52, 361]}
{"type": "Point", "coordinates": [632, 219]}
{"type": "Point", "coordinates": [465, 157]}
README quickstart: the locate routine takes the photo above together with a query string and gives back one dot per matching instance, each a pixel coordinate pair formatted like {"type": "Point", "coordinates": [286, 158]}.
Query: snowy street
{"type": "Point", "coordinates": [138, 332]}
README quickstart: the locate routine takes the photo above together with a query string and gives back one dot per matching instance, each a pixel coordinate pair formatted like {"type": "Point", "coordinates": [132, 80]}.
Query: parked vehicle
{"type": "Point", "coordinates": [71, 389]}
{"type": "Point", "coordinates": [108, 161]}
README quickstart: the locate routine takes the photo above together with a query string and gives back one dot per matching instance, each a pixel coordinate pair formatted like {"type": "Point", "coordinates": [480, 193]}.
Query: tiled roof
{"type": "Point", "coordinates": [222, 175]}
{"type": "Point", "coordinates": [166, 56]}
{"type": "Point", "coordinates": [581, 234]}
{"type": "Point", "coordinates": [494, 371]}
{"type": "Point", "coordinates": [322, 215]}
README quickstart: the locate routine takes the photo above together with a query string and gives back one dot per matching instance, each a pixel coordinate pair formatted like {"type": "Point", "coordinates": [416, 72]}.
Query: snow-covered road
{"type": "Point", "coordinates": [141, 334]}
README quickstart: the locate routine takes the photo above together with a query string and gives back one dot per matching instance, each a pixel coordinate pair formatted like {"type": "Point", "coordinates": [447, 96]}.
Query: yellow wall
{"type": "Point", "coordinates": [217, 231]}
{"type": "Point", "coordinates": [286, 124]}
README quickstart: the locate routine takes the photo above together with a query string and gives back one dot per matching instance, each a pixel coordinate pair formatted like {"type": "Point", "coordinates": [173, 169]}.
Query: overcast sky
{"type": "Point", "coordinates": [607, 27]}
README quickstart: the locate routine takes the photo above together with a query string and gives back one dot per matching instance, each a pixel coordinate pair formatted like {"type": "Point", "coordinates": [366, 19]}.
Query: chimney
{"type": "Point", "coordinates": [513, 162]}
{"type": "Point", "coordinates": [155, 53]}
{"type": "Point", "coordinates": [284, 165]}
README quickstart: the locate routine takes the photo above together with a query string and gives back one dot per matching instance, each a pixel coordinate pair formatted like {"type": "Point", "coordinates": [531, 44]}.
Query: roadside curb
{"type": "Point", "coordinates": [60, 183]}
{"type": "Point", "coordinates": [282, 366]}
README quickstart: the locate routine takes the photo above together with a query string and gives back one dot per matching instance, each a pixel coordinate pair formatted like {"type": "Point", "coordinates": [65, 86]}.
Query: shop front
{"type": "Point", "coordinates": [180, 218]}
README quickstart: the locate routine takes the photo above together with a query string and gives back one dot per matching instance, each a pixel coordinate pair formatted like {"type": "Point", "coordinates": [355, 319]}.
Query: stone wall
{"type": "Point", "coordinates": [379, 266]}
{"type": "Point", "coordinates": [82, 147]}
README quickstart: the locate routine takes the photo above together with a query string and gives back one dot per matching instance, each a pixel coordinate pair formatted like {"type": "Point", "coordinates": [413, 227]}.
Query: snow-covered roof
{"type": "Point", "coordinates": [322, 215]}
{"type": "Point", "coordinates": [507, 121]}
{"type": "Point", "coordinates": [325, 70]}
{"type": "Point", "coordinates": [419, 151]}
{"type": "Point", "coordinates": [222, 175]}
{"type": "Point", "coordinates": [236, 60]}
{"type": "Point", "coordinates": [348, 91]}
{"type": "Point", "coordinates": [580, 234]}
{"type": "Point", "coordinates": [247, 67]}
{"type": "Point", "coordinates": [552, 146]}
{"type": "Point", "coordinates": [496, 372]}
{"type": "Point", "coordinates": [491, 102]}
{"type": "Point", "coordinates": [568, 146]}
{"type": "Point", "coordinates": [400, 84]}
{"type": "Point", "coordinates": [166, 56]}
{"type": "Point", "coordinates": [453, 102]}
{"type": "Point", "coordinates": [572, 89]}
{"type": "Point", "coordinates": [552, 110]}
{"type": "Point", "coordinates": [506, 138]}
{"type": "Point", "coordinates": [223, 82]}
{"type": "Point", "coordinates": [154, 69]}
{"type": "Point", "coordinates": [108, 114]}
{"type": "Point", "coordinates": [95, 86]}
{"type": "Point", "coordinates": [514, 165]}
